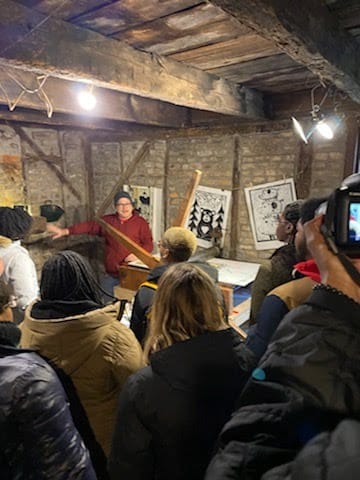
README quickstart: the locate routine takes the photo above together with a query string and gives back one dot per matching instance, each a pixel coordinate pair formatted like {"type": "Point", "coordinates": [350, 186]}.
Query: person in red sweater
{"type": "Point", "coordinates": [127, 221]}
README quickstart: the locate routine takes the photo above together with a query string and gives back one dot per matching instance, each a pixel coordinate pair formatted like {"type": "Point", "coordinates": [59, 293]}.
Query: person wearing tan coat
{"type": "Point", "coordinates": [71, 327]}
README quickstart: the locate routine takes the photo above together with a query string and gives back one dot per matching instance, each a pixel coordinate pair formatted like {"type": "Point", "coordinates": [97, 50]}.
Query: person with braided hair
{"type": "Point", "coordinates": [73, 328]}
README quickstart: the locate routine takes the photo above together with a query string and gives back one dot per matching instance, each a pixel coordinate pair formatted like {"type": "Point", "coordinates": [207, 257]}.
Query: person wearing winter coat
{"type": "Point", "coordinates": [278, 269]}
{"type": "Point", "coordinates": [306, 384]}
{"type": "Point", "coordinates": [38, 439]}
{"type": "Point", "coordinates": [284, 298]}
{"type": "Point", "coordinates": [176, 245]}
{"type": "Point", "coordinates": [331, 455]}
{"type": "Point", "coordinates": [170, 413]}
{"type": "Point", "coordinates": [71, 327]}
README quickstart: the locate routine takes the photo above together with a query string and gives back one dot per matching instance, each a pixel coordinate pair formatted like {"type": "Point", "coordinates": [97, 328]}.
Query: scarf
{"type": "Point", "coordinates": [308, 269]}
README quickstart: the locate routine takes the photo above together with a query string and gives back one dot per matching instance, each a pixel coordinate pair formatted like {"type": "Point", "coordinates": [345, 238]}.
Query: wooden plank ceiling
{"type": "Point", "coordinates": [160, 62]}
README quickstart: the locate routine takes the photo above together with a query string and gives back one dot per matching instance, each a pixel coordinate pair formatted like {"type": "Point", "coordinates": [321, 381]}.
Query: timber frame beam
{"type": "Point", "coordinates": [34, 42]}
{"type": "Point", "coordinates": [306, 31]}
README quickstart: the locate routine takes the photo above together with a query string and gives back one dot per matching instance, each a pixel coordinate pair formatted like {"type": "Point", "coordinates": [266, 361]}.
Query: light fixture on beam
{"type": "Point", "coordinates": [324, 125]}
{"type": "Point", "coordinates": [87, 99]}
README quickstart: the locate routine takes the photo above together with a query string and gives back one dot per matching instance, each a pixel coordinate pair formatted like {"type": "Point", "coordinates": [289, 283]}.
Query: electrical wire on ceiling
{"type": "Point", "coordinates": [39, 91]}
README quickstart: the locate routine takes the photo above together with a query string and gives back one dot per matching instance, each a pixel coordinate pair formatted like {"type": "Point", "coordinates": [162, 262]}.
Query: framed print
{"type": "Point", "coordinates": [265, 202]}
{"type": "Point", "coordinates": [208, 214]}
{"type": "Point", "coordinates": [148, 202]}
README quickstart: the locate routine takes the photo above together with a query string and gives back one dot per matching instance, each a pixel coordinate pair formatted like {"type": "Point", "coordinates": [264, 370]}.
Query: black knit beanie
{"type": "Point", "coordinates": [121, 194]}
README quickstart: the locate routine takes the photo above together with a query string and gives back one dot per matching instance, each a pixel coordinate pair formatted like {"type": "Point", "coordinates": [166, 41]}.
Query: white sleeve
{"type": "Point", "coordinates": [23, 279]}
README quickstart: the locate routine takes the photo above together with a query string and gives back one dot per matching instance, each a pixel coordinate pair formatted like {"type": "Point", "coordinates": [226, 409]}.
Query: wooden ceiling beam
{"type": "Point", "coordinates": [110, 105]}
{"type": "Point", "coordinates": [308, 33]}
{"type": "Point", "coordinates": [31, 41]}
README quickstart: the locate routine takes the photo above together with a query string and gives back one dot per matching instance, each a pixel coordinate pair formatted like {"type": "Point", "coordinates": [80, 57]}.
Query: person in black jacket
{"type": "Point", "coordinates": [176, 245]}
{"type": "Point", "coordinates": [284, 298]}
{"type": "Point", "coordinates": [331, 455]}
{"type": "Point", "coordinates": [306, 384]}
{"type": "Point", "coordinates": [278, 269]}
{"type": "Point", "coordinates": [38, 439]}
{"type": "Point", "coordinates": [170, 413]}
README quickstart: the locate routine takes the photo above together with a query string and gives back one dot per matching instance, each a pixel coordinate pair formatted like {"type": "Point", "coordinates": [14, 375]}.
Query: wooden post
{"type": "Point", "coordinates": [140, 154]}
{"type": "Point", "coordinates": [188, 199]}
{"type": "Point", "coordinates": [48, 160]}
{"type": "Point", "coordinates": [352, 146]}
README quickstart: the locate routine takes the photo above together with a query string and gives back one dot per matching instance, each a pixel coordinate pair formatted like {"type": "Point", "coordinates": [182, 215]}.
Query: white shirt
{"type": "Point", "coordinates": [19, 273]}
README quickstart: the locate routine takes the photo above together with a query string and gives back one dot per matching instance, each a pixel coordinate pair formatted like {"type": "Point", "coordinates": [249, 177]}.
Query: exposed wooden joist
{"type": "Point", "coordinates": [308, 33]}
{"type": "Point", "coordinates": [34, 117]}
{"type": "Point", "coordinates": [110, 104]}
{"type": "Point", "coordinates": [33, 42]}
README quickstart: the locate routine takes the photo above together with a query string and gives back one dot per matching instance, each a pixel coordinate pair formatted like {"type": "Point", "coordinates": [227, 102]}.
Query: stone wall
{"type": "Point", "coordinates": [91, 165]}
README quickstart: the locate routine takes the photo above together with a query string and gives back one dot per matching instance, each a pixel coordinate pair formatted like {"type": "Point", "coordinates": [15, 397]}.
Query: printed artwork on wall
{"type": "Point", "coordinates": [208, 215]}
{"type": "Point", "coordinates": [265, 202]}
{"type": "Point", "coordinates": [148, 202]}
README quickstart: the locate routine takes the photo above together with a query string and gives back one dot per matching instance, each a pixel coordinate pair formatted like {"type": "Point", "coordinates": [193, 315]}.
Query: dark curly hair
{"type": "Point", "coordinates": [14, 222]}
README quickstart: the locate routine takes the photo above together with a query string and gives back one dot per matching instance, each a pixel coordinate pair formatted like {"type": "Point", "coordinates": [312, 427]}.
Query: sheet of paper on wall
{"type": "Point", "coordinates": [209, 214]}
{"type": "Point", "coordinates": [265, 202]}
{"type": "Point", "coordinates": [235, 273]}
{"type": "Point", "coordinates": [148, 202]}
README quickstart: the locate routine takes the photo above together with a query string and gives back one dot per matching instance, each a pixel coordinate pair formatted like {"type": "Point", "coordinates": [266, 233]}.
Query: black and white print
{"type": "Point", "coordinates": [265, 202]}
{"type": "Point", "coordinates": [208, 215]}
{"type": "Point", "coordinates": [148, 202]}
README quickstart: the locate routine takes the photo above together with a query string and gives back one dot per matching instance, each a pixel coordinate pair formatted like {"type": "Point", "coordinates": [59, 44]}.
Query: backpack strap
{"type": "Point", "coordinates": [151, 285]}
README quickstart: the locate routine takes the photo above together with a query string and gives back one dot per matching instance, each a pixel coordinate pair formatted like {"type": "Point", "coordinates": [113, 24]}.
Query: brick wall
{"type": "Point", "coordinates": [92, 166]}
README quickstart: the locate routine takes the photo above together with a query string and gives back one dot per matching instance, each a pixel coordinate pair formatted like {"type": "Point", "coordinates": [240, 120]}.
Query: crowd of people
{"type": "Point", "coordinates": [180, 394]}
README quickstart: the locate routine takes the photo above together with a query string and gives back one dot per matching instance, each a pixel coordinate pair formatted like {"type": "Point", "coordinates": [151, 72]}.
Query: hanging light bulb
{"type": "Point", "coordinates": [299, 129]}
{"type": "Point", "coordinates": [325, 126]}
{"type": "Point", "coordinates": [324, 129]}
{"type": "Point", "coordinates": [87, 99]}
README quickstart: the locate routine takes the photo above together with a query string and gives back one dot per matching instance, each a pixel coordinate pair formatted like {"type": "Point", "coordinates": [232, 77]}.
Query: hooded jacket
{"type": "Point", "coordinates": [38, 439]}
{"type": "Point", "coordinates": [306, 384]}
{"type": "Point", "coordinates": [330, 455]}
{"type": "Point", "coordinates": [279, 302]}
{"type": "Point", "coordinates": [171, 412]}
{"type": "Point", "coordinates": [93, 348]}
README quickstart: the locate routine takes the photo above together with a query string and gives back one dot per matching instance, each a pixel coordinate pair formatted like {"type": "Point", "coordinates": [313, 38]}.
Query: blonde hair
{"type": "Point", "coordinates": [186, 304]}
{"type": "Point", "coordinates": [180, 242]}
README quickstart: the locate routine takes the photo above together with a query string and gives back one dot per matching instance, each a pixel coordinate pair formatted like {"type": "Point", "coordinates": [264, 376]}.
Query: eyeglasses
{"type": "Point", "coordinates": [123, 204]}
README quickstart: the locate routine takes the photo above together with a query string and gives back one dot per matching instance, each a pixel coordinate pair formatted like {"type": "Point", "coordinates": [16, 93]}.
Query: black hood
{"type": "Point", "coordinates": [50, 309]}
{"type": "Point", "coordinates": [210, 363]}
